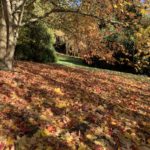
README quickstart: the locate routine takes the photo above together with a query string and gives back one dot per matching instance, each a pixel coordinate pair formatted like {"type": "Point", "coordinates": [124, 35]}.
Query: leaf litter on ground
{"type": "Point", "coordinates": [50, 107]}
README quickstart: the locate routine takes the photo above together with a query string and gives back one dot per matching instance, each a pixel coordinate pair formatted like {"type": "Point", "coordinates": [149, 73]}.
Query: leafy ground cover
{"type": "Point", "coordinates": [45, 107]}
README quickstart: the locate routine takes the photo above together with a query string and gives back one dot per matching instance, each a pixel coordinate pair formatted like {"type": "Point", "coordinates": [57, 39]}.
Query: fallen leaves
{"type": "Point", "coordinates": [54, 107]}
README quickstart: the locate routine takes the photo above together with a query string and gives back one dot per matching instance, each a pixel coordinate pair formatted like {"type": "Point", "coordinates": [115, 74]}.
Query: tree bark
{"type": "Point", "coordinates": [9, 28]}
{"type": "Point", "coordinates": [3, 37]}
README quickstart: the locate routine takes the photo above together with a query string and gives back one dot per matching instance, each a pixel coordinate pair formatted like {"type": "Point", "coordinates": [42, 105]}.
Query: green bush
{"type": "Point", "coordinates": [36, 44]}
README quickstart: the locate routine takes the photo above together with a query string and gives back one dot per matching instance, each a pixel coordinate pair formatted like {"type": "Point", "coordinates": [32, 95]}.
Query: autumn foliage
{"type": "Point", "coordinates": [125, 40]}
{"type": "Point", "coordinates": [57, 107]}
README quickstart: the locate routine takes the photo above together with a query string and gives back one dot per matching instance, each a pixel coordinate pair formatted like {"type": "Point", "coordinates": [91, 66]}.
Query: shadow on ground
{"type": "Point", "coordinates": [52, 106]}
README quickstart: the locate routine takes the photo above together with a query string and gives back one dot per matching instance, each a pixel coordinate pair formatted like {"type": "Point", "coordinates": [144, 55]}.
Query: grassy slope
{"type": "Point", "coordinates": [77, 62]}
{"type": "Point", "coordinates": [70, 61]}
{"type": "Point", "coordinates": [65, 108]}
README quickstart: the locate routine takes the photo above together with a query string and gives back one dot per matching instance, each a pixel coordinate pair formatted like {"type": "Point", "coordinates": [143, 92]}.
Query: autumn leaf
{"type": "Point", "coordinates": [58, 91]}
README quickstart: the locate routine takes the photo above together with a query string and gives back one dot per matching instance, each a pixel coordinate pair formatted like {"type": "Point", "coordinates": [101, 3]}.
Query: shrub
{"type": "Point", "coordinates": [36, 44]}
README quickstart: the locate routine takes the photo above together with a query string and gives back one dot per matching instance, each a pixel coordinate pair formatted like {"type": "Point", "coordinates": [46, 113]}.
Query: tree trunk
{"type": "Point", "coordinates": [9, 28]}
{"type": "Point", "coordinates": [10, 49]}
{"type": "Point", "coordinates": [3, 38]}
{"type": "Point", "coordinates": [7, 48]}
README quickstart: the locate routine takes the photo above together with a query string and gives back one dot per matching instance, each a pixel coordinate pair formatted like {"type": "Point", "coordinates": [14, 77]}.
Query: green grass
{"type": "Point", "coordinates": [70, 61]}
{"type": "Point", "coordinates": [77, 62]}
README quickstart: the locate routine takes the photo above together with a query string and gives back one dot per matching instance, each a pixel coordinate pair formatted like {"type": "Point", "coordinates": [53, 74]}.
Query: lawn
{"type": "Point", "coordinates": [70, 61]}
{"type": "Point", "coordinates": [46, 107]}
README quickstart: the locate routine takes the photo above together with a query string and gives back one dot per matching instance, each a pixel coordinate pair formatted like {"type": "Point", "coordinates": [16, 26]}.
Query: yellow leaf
{"type": "Point", "coordinates": [98, 142]}
{"type": "Point", "coordinates": [43, 117]}
{"type": "Point", "coordinates": [113, 123]}
{"type": "Point", "coordinates": [45, 133]}
{"type": "Point", "coordinates": [143, 11]}
{"type": "Point", "coordinates": [115, 6]}
{"type": "Point", "coordinates": [138, 35]}
{"type": "Point", "coordinates": [122, 10]}
{"type": "Point", "coordinates": [90, 136]}
{"type": "Point", "coordinates": [69, 138]}
{"type": "Point", "coordinates": [61, 104]}
{"type": "Point", "coordinates": [58, 91]}
{"type": "Point", "coordinates": [82, 147]}
{"type": "Point", "coordinates": [10, 141]}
